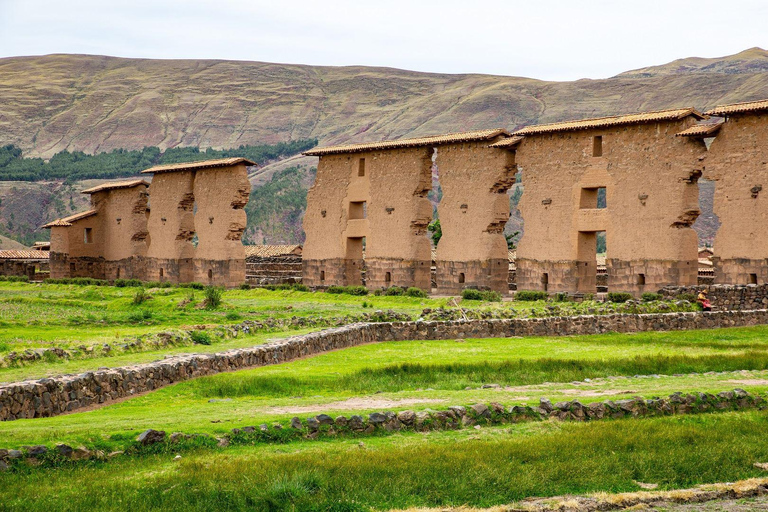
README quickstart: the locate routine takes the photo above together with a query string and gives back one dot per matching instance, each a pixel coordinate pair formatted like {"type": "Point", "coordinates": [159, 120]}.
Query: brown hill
{"type": "Point", "coordinates": [92, 103]}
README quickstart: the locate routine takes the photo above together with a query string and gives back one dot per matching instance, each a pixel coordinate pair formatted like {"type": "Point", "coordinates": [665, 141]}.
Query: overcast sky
{"type": "Point", "coordinates": [546, 39]}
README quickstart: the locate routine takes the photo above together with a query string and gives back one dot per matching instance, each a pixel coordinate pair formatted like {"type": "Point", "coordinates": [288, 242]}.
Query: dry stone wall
{"type": "Point", "coordinates": [725, 297]}
{"type": "Point", "coordinates": [53, 396]}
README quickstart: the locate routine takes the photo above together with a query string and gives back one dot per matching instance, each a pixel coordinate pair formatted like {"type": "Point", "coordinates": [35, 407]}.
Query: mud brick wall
{"type": "Point", "coordinates": [53, 396]}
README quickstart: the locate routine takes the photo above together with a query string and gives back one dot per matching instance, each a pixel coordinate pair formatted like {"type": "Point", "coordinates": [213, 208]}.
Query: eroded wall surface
{"type": "Point", "coordinates": [171, 228]}
{"type": "Point", "coordinates": [376, 200]}
{"type": "Point", "coordinates": [650, 180]}
{"type": "Point", "coordinates": [123, 216]}
{"type": "Point", "coordinates": [473, 212]}
{"type": "Point", "coordinates": [219, 222]}
{"type": "Point", "coordinates": [738, 161]}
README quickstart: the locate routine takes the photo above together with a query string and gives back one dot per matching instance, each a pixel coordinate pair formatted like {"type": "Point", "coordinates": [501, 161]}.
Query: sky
{"type": "Point", "coordinates": [545, 39]}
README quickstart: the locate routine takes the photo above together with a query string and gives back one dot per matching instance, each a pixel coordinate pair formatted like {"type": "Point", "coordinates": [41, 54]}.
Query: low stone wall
{"type": "Point", "coordinates": [725, 297]}
{"type": "Point", "coordinates": [53, 396]}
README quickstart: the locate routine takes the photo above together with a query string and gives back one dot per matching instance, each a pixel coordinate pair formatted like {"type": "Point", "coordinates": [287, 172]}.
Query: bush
{"type": "Point", "coordinates": [233, 315]}
{"type": "Point", "coordinates": [213, 297]}
{"type": "Point", "coordinates": [416, 292]}
{"type": "Point", "coordinates": [561, 297]}
{"type": "Point", "coordinates": [530, 295]}
{"type": "Point", "coordinates": [650, 297]}
{"type": "Point", "coordinates": [127, 283]}
{"type": "Point", "coordinates": [200, 338]}
{"type": "Point", "coordinates": [486, 295]}
{"type": "Point", "coordinates": [619, 297]}
{"type": "Point", "coordinates": [140, 296]}
{"type": "Point", "coordinates": [394, 291]}
{"type": "Point", "coordinates": [78, 281]}
{"type": "Point", "coordinates": [349, 290]}
{"type": "Point", "coordinates": [15, 279]}
{"type": "Point", "coordinates": [687, 296]}
{"type": "Point", "coordinates": [194, 286]}
{"type": "Point", "coordinates": [139, 316]}
{"type": "Point", "coordinates": [245, 286]}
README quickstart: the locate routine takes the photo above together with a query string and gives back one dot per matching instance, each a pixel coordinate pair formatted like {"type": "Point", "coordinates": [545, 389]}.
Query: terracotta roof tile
{"type": "Point", "coordinates": [433, 140]}
{"type": "Point", "coordinates": [269, 251]}
{"type": "Point", "coordinates": [509, 142]}
{"type": "Point", "coordinates": [702, 130]}
{"type": "Point", "coordinates": [196, 166]}
{"type": "Point", "coordinates": [739, 108]}
{"type": "Point", "coordinates": [115, 185]}
{"type": "Point", "coordinates": [604, 122]}
{"type": "Point", "coordinates": [24, 255]}
{"type": "Point", "coordinates": [67, 221]}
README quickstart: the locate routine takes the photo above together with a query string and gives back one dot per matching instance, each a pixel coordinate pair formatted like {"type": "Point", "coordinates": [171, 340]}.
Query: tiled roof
{"type": "Point", "coordinates": [702, 130]}
{"type": "Point", "coordinates": [603, 122]}
{"type": "Point", "coordinates": [67, 221]}
{"type": "Point", "coordinates": [509, 142]}
{"type": "Point", "coordinates": [433, 140]}
{"type": "Point", "coordinates": [115, 185]}
{"type": "Point", "coordinates": [269, 251]}
{"type": "Point", "coordinates": [196, 166]}
{"type": "Point", "coordinates": [24, 255]}
{"type": "Point", "coordinates": [739, 108]}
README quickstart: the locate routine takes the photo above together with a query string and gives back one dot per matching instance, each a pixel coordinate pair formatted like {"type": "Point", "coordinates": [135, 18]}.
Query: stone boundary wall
{"type": "Point", "coordinates": [725, 297]}
{"type": "Point", "coordinates": [53, 396]}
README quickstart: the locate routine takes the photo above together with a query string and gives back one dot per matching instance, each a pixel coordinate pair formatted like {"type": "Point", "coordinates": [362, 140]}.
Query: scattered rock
{"type": "Point", "coordinates": [151, 436]}
{"type": "Point", "coordinates": [64, 450]}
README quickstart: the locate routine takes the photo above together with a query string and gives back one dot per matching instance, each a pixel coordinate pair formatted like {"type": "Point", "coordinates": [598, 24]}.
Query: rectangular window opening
{"type": "Point", "coordinates": [461, 278]}
{"type": "Point", "coordinates": [322, 275]}
{"type": "Point", "coordinates": [641, 279]}
{"type": "Point", "coordinates": [545, 281]}
{"type": "Point", "coordinates": [752, 278]}
{"type": "Point", "coordinates": [88, 236]}
{"type": "Point", "coordinates": [358, 210]}
{"type": "Point", "coordinates": [388, 277]}
{"type": "Point", "coordinates": [593, 198]}
{"type": "Point", "coordinates": [597, 145]}
{"type": "Point", "coordinates": [361, 167]}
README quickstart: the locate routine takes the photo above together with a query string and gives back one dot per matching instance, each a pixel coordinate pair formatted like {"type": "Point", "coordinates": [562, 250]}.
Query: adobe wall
{"type": "Point", "coordinates": [382, 200]}
{"type": "Point", "coordinates": [58, 254]}
{"type": "Point", "coordinates": [123, 214]}
{"type": "Point", "coordinates": [473, 212]}
{"type": "Point", "coordinates": [220, 195]}
{"type": "Point", "coordinates": [171, 227]}
{"type": "Point", "coordinates": [738, 161]}
{"type": "Point", "coordinates": [650, 176]}
{"type": "Point", "coordinates": [54, 396]}
{"type": "Point", "coordinates": [83, 259]}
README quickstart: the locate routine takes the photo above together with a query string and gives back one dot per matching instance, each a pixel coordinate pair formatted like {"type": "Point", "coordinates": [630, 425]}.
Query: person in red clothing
{"type": "Point", "coordinates": [704, 301]}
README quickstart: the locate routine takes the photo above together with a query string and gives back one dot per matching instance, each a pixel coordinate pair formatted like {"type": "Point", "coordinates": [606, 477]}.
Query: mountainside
{"type": "Point", "coordinates": [97, 104]}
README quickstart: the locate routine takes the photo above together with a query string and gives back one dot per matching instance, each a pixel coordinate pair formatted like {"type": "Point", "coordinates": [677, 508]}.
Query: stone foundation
{"type": "Point", "coordinates": [170, 269]}
{"type": "Point", "coordinates": [454, 276]}
{"type": "Point", "coordinates": [561, 276]}
{"type": "Point", "coordinates": [640, 276]}
{"type": "Point", "coordinates": [725, 297]}
{"type": "Point", "coordinates": [323, 273]}
{"type": "Point", "coordinates": [385, 272]}
{"type": "Point", "coordinates": [53, 396]}
{"type": "Point", "coordinates": [737, 271]}
{"type": "Point", "coordinates": [227, 273]}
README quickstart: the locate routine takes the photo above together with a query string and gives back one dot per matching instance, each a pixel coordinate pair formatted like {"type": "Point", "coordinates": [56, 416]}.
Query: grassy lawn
{"type": "Point", "coordinates": [426, 374]}
{"type": "Point", "coordinates": [477, 467]}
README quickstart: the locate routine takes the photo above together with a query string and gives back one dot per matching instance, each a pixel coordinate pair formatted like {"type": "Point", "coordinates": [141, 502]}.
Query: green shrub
{"type": "Point", "coordinates": [127, 283]}
{"type": "Point", "coordinates": [619, 297]}
{"type": "Point", "coordinates": [233, 315]}
{"type": "Point", "coordinates": [200, 338]}
{"type": "Point", "coordinates": [194, 286]}
{"type": "Point", "coordinates": [245, 286]}
{"type": "Point", "coordinates": [530, 295]}
{"type": "Point", "coordinates": [486, 295]}
{"type": "Point", "coordinates": [416, 292]}
{"type": "Point", "coordinates": [78, 281]}
{"type": "Point", "coordinates": [561, 297]}
{"type": "Point", "coordinates": [650, 297]}
{"type": "Point", "coordinates": [140, 296]}
{"type": "Point", "coordinates": [140, 316]}
{"type": "Point", "coordinates": [394, 291]}
{"type": "Point", "coordinates": [213, 297]}
{"type": "Point", "coordinates": [349, 290]}
{"type": "Point", "coordinates": [687, 296]}
{"type": "Point", "coordinates": [15, 279]}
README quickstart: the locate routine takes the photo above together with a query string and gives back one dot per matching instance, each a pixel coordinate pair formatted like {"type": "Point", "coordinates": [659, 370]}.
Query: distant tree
{"type": "Point", "coordinates": [436, 230]}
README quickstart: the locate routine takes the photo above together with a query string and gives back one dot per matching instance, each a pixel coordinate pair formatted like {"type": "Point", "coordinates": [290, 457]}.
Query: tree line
{"type": "Point", "coordinates": [76, 165]}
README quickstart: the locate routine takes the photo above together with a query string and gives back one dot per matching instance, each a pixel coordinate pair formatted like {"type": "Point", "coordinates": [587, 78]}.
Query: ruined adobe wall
{"type": "Point", "coordinates": [171, 227]}
{"type": "Point", "coordinates": [738, 160]}
{"type": "Point", "coordinates": [398, 215]}
{"type": "Point", "coordinates": [58, 259]}
{"type": "Point", "coordinates": [220, 195]}
{"type": "Point", "coordinates": [652, 200]}
{"type": "Point", "coordinates": [325, 221]}
{"type": "Point", "coordinates": [54, 396]}
{"type": "Point", "coordinates": [123, 214]}
{"type": "Point", "coordinates": [473, 212]}
{"type": "Point", "coordinates": [83, 259]}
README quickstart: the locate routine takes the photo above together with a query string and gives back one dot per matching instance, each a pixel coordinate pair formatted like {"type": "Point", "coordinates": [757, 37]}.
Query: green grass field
{"type": "Point", "coordinates": [489, 466]}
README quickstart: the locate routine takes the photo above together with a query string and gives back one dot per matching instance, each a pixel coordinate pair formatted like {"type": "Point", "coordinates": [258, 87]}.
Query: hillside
{"type": "Point", "coordinates": [96, 104]}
